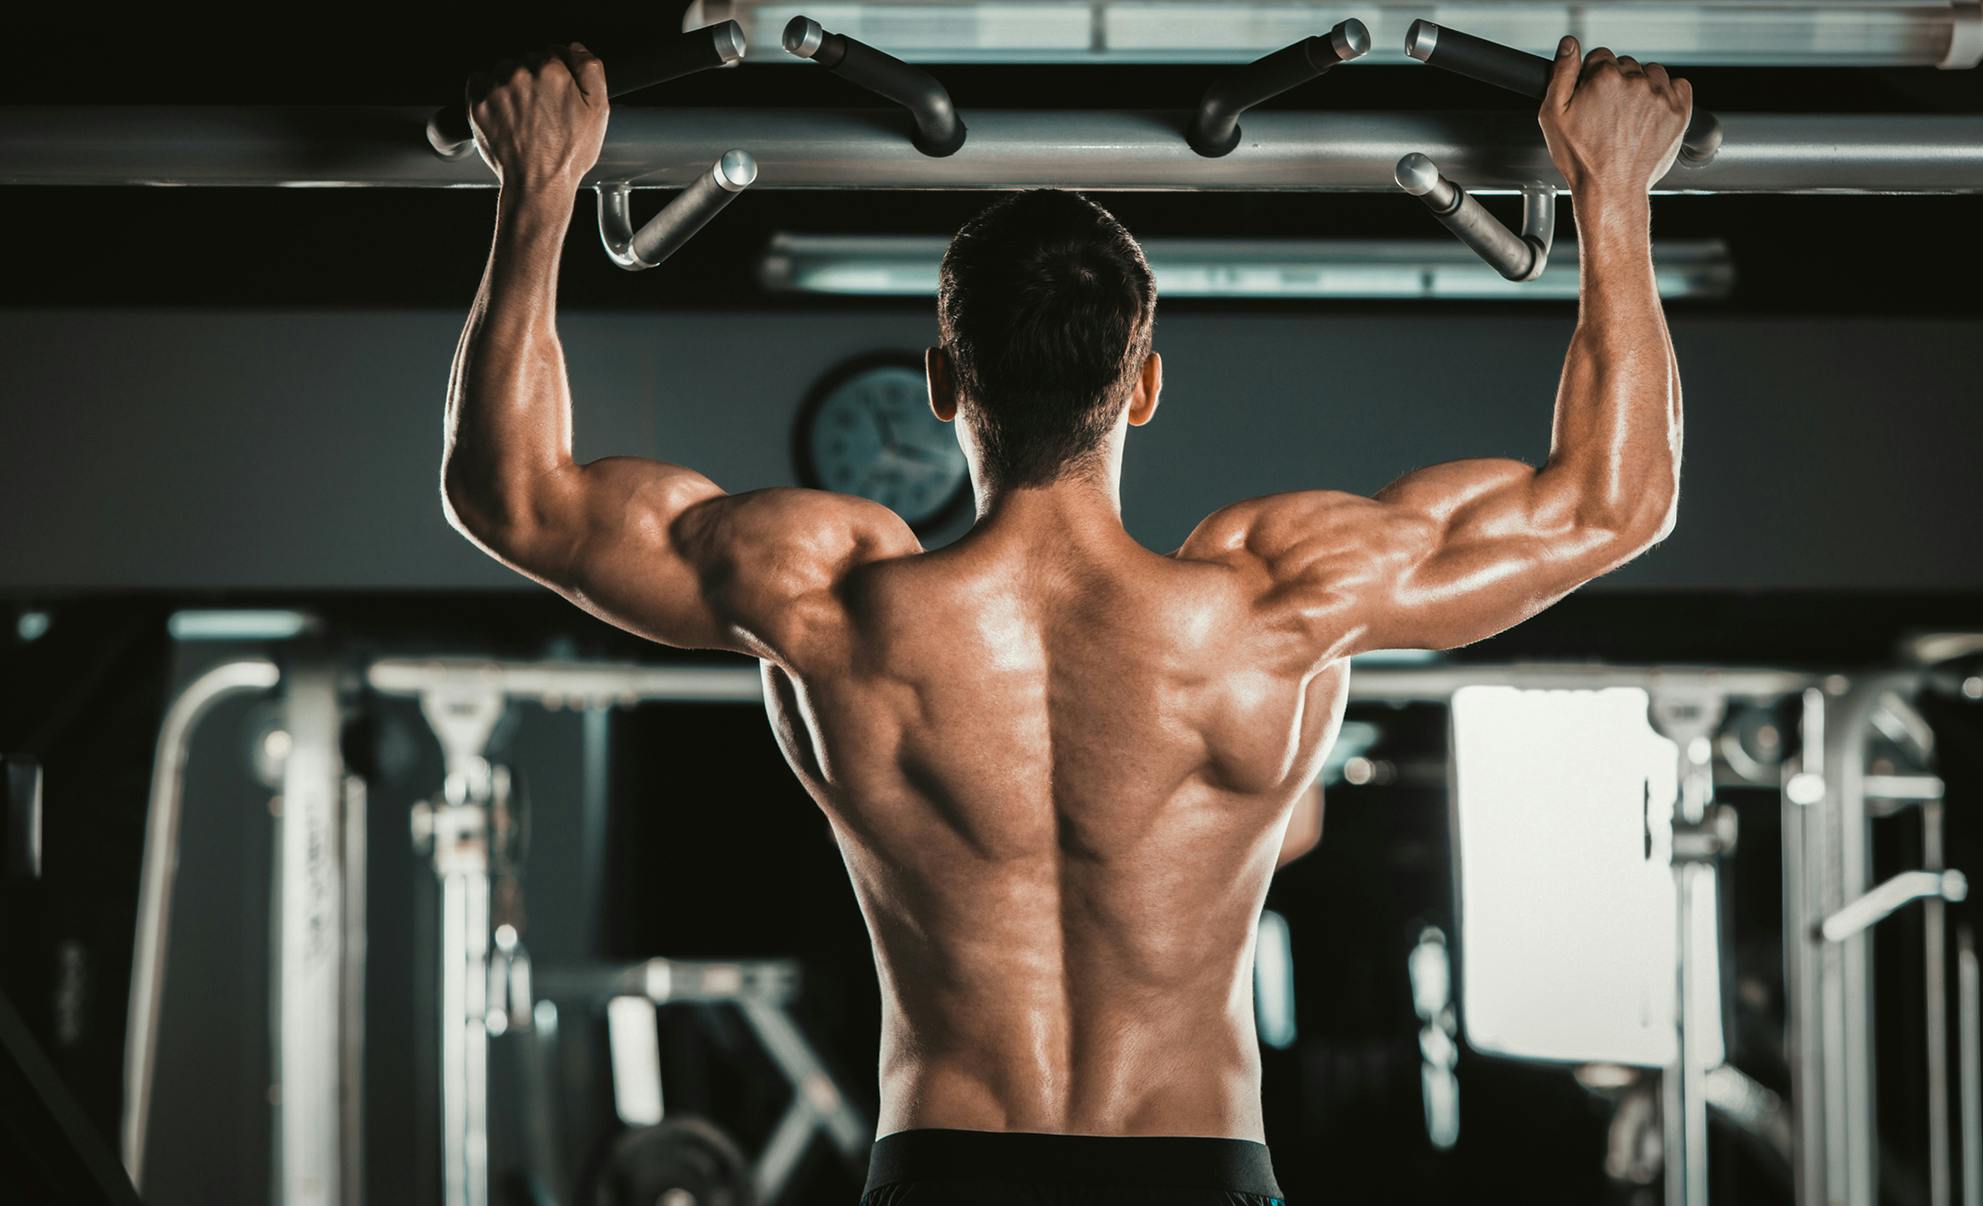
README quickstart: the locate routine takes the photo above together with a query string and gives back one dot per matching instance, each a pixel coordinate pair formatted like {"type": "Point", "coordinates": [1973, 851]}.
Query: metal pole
{"type": "Point", "coordinates": [1935, 955]}
{"type": "Point", "coordinates": [161, 863]}
{"type": "Point", "coordinates": [1849, 963]}
{"type": "Point", "coordinates": [1969, 1041]}
{"type": "Point", "coordinates": [309, 955]}
{"type": "Point", "coordinates": [1803, 793]}
{"type": "Point", "coordinates": [605, 684]}
{"type": "Point", "coordinates": [1007, 149]}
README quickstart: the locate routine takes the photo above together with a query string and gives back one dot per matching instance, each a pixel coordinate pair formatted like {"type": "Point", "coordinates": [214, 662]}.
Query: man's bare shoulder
{"type": "Point", "coordinates": [1271, 529]}
{"type": "Point", "coordinates": [816, 533]}
{"type": "Point", "coordinates": [779, 561]}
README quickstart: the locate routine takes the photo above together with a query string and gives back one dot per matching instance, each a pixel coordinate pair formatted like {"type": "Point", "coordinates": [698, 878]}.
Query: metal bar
{"type": "Point", "coordinates": [1803, 791]}
{"type": "Point", "coordinates": [1935, 988]}
{"type": "Point", "coordinates": [309, 945]}
{"type": "Point", "coordinates": [1888, 898]}
{"type": "Point", "coordinates": [823, 149]}
{"type": "Point", "coordinates": [1904, 789]}
{"type": "Point", "coordinates": [600, 684]}
{"type": "Point", "coordinates": [161, 863]}
{"type": "Point", "coordinates": [1853, 1094]}
{"type": "Point", "coordinates": [720, 45]}
{"type": "Point", "coordinates": [595, 799]}
{"type": "Point", "coordinates": [1215, 130]}
{"type": "Point", "coordinates": [686, 213]}
{"type": "Point", "coordinates": [1969, 1041]}
{"type": "Point", "coordinates": [353, 990]}
{"type": "Point", "coordinates": [849, 1131]}
{"type": "Point", "coordinates": [671, 981]}
{"type": "Point", "coordinates": [781, 1154]}
{"type": "Point", "coordinates": [1528, 74]}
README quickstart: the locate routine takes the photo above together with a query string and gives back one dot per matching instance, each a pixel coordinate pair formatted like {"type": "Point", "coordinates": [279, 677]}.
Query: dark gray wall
{"type": "Point", "coordinates": [292, 450]}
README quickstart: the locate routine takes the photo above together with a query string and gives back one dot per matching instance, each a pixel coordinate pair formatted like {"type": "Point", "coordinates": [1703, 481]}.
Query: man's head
{"type": "Point", "coordinates": [1045, 309]}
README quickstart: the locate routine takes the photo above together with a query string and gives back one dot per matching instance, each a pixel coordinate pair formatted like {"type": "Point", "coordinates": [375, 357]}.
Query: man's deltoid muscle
{"type": "Point", "coordinates": [1059, 765]}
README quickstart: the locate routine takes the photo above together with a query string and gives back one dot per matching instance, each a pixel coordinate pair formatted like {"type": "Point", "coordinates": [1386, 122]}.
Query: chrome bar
{"type": "Point", "coordinates": [1803, 840]}
{"type": "Point", "coordinates": [686, 213]}
{"type": "Point", "coordinates": [1518, 257]}
{"type": "Point", "coordinates": [1847, 1100]}
{"type": "Point", "coordinates": [353, 992]}
{"type": "Point", "coordinates": [1935, 988]}
{"type": "Point", "coordinates": [1969, 1045]}
{"type": "Point", "coordinates": [605, 684]}
{"type": "Point", "coordinates": [308, 956]}
{"type": "Point", "coordinates": [829, 149]}
{"type": "Point", "coordinates": [161, 863]}
{"type": "Point", "coordinates": [1889, 897]}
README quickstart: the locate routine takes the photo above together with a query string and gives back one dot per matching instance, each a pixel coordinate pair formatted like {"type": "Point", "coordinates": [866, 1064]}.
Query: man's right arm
{"type": "Point", "coordinates": [1456, 552]}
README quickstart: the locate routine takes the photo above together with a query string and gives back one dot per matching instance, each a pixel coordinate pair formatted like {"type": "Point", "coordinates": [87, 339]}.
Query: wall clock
{"type": "Point", "coordinates": [866, 428]}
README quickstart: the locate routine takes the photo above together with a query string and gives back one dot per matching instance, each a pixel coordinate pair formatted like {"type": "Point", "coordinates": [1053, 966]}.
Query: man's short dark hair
{"type": "Point", "coordinates": [1045, 307]}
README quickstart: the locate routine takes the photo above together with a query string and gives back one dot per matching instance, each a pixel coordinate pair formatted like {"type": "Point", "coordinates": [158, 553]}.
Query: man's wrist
{"type": "Point", "coordinates": [532, 212]}
{"type": "Point", "coordinates": [1609, 205]}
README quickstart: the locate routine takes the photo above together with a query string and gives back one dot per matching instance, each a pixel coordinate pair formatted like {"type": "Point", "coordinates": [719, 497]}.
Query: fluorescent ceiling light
{"type": "Point", "coordinates": [232, 625]}
{"type": "Point", "coordinates": [906, 266]}
{"type": "Point", "coordinates": [1947, 33]}
{"type": "Point", "coordinates": [1563, 815]}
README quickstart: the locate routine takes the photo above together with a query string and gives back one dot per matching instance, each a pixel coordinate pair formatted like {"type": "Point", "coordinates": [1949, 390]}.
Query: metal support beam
{"type": "Point", "coordinates": [161, 863]}
{"type": "Point", "coordinates": [308, 934]}
{"type": "Point", "coordinates": [1281, 150]}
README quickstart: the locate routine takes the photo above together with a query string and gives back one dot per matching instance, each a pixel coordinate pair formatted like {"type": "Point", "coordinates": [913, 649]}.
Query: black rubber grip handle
{"type": "Point", "coordinates": [939, 131]}
{"type": "Point", "coordinates": [1215, 130]}
{"type": "Point", "coordinates": [628, 71]}
{"type": "Point", "coordinates": [1528, 74]}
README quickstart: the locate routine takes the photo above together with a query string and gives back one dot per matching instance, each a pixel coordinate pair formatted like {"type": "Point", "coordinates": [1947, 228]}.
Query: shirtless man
{"type": "Point", "coordinates": [1059, 765]}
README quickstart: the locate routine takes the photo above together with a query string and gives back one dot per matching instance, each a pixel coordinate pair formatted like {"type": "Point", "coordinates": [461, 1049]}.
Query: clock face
{"type": "Point", "coordinates": [867, 430]}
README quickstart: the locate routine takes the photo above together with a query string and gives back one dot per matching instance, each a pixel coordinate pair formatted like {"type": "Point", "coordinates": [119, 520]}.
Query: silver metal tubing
{"type": "Point", "coordinates": [1804, 887]}
{"type": "Point", "coordinates": [161, 863]}
{"type": "Point", "coordinates": [1935, 989]}
{"type": "Point", "coordinates": [1969, 1045]}
{"type": "Point", "coordinates": [570, 684]}
{"type": "Point", "coordinates": [308, 956]}
{"type": "Point", "coordinates": [1519, 257]}
{"type": "Point", "coordinates": [672, 981]}
{"type": "Point", "coordinates": [600, 684]}
{"type": "Point", "coordinates": [1215, 131]}
{"type": "Point", "coordinates": [814, 149]}
{"type": "Point", "coordinates": [1851, 1071]}
{"type": "Point", "coordinates": [939, 131]}
{"type": "Point", "coordinates": [1888, 898]}
{"type": "Point", "coordinates": [688, 212]}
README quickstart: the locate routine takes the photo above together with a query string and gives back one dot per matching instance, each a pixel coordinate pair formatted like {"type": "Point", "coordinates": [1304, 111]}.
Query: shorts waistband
{"type": "Point", "coordinates": [1161, 1161]}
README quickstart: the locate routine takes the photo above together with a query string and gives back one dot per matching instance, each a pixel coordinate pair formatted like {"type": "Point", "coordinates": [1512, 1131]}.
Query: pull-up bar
{"type": "Point", "coordinates": [1282, 150]}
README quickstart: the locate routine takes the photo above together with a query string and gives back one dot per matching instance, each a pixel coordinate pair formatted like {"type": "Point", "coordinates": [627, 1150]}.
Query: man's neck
{"type": "Point", "coordinates": [1075, 505]}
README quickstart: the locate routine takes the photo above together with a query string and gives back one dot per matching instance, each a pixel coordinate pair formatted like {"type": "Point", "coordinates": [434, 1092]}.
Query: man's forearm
{"type": "Point", "coordinates": [509, 412]}
{"type": "Point", "coordinates": [1616, 440]}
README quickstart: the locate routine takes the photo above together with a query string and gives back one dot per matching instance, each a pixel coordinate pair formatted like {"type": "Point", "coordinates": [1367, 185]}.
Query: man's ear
{"type": "Point", "coordinates": [943, 386]}
{"type": "Point", "coordinates": [1149, 383]}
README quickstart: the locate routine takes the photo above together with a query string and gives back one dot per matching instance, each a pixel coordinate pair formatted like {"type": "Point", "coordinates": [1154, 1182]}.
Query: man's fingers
{"type": "Point", "coordinates": [1630, 65]}
{"type": "Point", "coordinates": [1562, 75]}
{"type": "Point", "coordinates": [587, 70]}
{"type": "Point", "coordinates": [1598, 60]}
{"type": "Point", "coordinates": [1657, 76]}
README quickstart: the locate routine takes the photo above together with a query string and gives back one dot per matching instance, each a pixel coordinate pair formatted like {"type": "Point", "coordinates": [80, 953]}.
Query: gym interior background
{"type": "Point", "coordinates": [241, 639]}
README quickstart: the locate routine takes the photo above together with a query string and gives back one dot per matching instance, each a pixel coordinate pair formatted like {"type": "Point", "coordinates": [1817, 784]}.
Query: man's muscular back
{"type": "Point", "coordinates": [1059, 771]}
{"type": "Point", "coordinates": [1058, 764]}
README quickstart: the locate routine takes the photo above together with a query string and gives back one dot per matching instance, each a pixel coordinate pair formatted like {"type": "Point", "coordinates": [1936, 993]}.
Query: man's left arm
{"type": "Point", "coordinates": [655, 548]}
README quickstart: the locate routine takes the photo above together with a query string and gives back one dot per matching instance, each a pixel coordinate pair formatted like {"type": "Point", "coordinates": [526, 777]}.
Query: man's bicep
{"type": "Point", "coordinates": [1491, 543]}
{"type": "Point", "coordinates": [1443, 557]}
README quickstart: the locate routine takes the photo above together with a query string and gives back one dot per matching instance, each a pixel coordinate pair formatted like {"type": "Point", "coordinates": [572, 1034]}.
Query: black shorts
{"type": "Point", "coordinates": [1009, 1168]}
